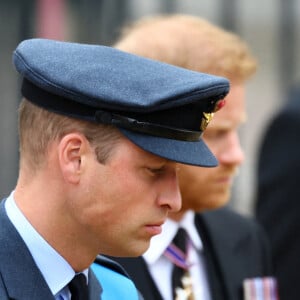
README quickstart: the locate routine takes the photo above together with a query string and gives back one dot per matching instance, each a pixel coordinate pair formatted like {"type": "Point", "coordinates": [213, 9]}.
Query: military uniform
{"type": "Point", "coordinates": [161, 108]}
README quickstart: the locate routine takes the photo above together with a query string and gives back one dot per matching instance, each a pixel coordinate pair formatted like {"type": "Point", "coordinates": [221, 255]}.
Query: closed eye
{"type": "Point", "coordinates": [156, 171]}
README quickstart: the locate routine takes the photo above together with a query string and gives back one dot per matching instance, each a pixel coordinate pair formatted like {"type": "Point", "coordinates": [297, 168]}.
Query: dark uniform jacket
{"type": "Point", "coordinates": [235, 249]}
{"type": "Point", "coordinates": [20, 278]}
{"type": "Point", "coordinates": [278, 203]}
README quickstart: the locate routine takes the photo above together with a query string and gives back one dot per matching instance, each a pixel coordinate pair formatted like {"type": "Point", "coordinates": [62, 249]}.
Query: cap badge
{"type": "Point", "coordinates": [207, 116]}
{"type": "Point", "coordinates": [205, 120]}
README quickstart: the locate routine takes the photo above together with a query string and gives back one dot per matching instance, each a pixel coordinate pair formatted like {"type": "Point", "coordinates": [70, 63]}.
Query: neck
{"type": "Point", "coordinates": [47, 210]}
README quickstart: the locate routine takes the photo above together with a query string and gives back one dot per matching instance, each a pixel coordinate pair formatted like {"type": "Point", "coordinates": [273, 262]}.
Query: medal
{"type": "Point", "coordinates": [186, 292]}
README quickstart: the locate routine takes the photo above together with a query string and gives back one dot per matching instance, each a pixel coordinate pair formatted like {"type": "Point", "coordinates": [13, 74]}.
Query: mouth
{"type": "Point", "coordinates": [155, 228]}
{"type": "Point", "coordinates": [226, 180]}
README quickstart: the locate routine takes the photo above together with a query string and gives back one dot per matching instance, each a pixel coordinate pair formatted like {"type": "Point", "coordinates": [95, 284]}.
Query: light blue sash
{"type": "Point", "coordinates": [115, 285]}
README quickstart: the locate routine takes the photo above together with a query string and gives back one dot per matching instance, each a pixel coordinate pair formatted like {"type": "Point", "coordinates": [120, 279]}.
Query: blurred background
{"type": "Point", "coordinates": [270, 27]}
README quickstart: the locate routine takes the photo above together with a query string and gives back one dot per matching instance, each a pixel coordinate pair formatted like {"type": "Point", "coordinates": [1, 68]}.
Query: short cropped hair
{"type": "Point", "coordinates": [39, 127]}
{"type": "Point", "coordinates": [189, 42]}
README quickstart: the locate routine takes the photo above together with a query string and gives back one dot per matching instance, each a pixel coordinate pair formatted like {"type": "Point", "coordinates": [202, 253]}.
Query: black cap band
{"type": "Point", "coordinates": [147, 128]}
{"type": "Point", "coordinates": [67, 107]}
{"type": "Point", "coordinates": [56, 103]}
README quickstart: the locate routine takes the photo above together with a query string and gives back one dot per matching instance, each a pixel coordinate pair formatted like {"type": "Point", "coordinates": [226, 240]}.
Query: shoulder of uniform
{"type": "Point", "coordinates": [110, 264]}
{"type": "Point", "coordinates": [114, 280]}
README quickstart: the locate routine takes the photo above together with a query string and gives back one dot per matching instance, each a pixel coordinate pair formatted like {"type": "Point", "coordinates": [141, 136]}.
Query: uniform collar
{"type": "Point", "coordinates": [54, 268]}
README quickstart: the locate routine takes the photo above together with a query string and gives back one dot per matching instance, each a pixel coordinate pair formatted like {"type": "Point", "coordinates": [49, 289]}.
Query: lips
{"type": "Point", "coordinates": [227, 178]}
{"type": "Point", "coordinates": [155, 228]}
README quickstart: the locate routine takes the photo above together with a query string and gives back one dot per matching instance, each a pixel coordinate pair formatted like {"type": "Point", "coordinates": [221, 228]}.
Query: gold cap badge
{"type": "Point", "coordinates": [207, 116]}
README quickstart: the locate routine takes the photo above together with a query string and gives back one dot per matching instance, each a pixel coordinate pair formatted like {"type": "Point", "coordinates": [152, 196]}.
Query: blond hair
{"type": "Point", "coordinates": [189, 42]}
{"type": "Point", "coordinates": [39, 127]}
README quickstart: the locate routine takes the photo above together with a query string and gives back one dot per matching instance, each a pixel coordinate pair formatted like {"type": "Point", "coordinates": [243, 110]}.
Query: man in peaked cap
{"type": "Point", "coordinates": [101, 132]}
{"type": "Point", "coordinates": [227, 253]}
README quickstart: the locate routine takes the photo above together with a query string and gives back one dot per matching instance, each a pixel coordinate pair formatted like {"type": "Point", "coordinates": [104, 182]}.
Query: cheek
{"type": "Point", "coordinates": [117, 196]}
{"type": "Point", "coordinates": [120, 195]}
{"type": "Point", "coordinates": [194, 177]}
{"type": "Point", "coordinates": [196, 187]}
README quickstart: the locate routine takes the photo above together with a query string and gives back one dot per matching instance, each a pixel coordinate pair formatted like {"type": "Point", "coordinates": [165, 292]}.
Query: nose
{"type": "Point", "coordinates": [169, 195]}
{"type": "Point", "coordinates": [231, 152]}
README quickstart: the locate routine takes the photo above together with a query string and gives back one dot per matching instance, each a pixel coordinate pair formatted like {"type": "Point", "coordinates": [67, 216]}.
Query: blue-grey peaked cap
{"type": "Point", "coordinates": [161, 108]}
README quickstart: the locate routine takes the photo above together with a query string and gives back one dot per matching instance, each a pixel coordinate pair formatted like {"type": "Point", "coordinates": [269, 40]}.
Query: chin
{"type": "Point", "coordinates": [137, 249]}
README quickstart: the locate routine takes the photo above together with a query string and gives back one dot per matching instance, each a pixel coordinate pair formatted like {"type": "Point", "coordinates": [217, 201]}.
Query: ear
{"type": "Point", "coordinates": [71, 151]}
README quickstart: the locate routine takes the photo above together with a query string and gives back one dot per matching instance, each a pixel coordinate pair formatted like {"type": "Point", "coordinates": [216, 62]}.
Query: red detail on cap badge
{"type": "Point", "coordinates": [219, 105]}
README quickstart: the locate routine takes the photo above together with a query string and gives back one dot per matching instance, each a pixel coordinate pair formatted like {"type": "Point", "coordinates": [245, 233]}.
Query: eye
{"type": "Point", "coordinates": [156, 171]}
